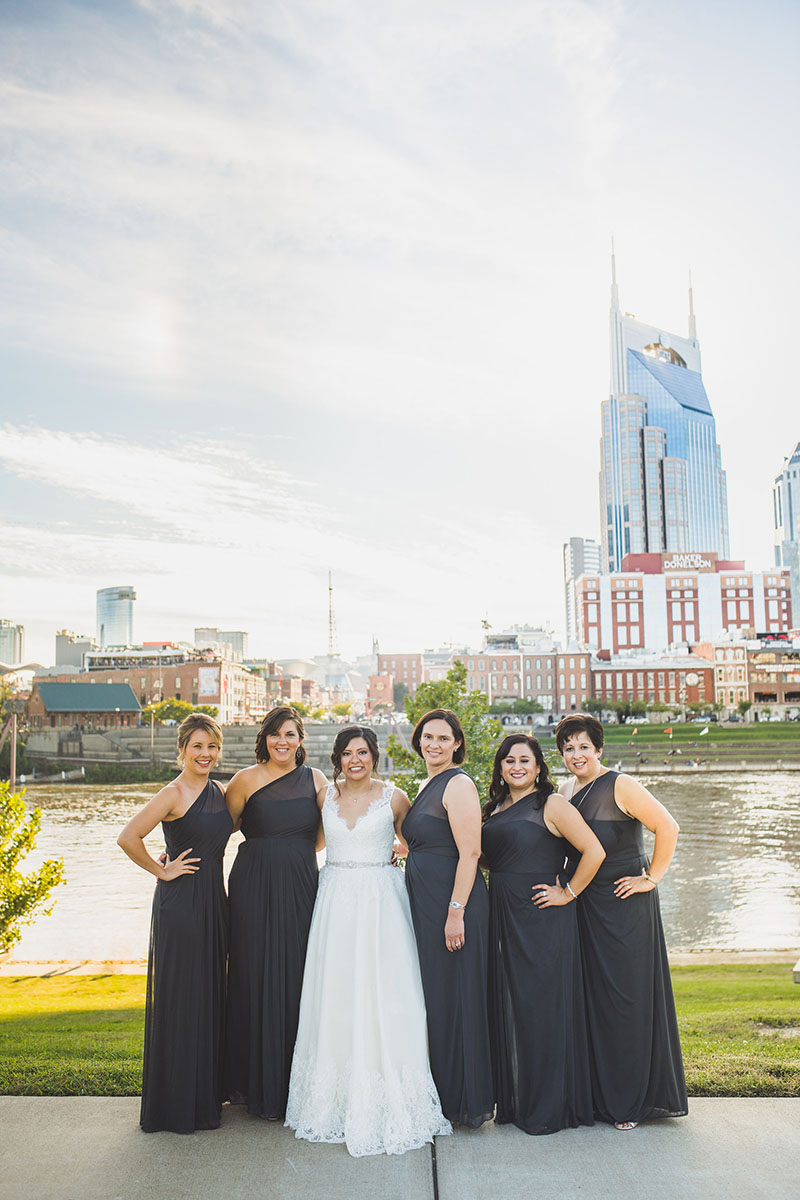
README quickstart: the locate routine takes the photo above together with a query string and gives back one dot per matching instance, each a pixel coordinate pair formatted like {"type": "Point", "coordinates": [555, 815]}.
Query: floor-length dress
{"type": "Point", "coordinates": [537, 1021]}
{"type": "Point", "coordinates": [360, 1073]}
{"type": "Point", "coordinates": [272, 886]}
{"type": "Point", "coordinates": [635, 1053]}
{"type": "Point", "coordinates": [185, 1012]}
{"type": "Point", "coordinates": [454, 983]}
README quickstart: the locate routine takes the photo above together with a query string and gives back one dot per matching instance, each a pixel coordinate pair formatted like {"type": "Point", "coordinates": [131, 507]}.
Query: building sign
{"type": "Point", "coordinates": [207, 681]}
{"type": "Point", "coordinates": [689, 562]}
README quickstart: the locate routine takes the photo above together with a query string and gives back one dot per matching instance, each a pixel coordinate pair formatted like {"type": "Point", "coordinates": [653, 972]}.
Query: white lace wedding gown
{"type": "Point", "coordinates": [360, 1073]}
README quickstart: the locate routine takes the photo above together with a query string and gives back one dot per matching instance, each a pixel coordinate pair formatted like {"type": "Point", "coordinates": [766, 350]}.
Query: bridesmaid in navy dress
{"type": "Point", "coordinates": [537, 1023]}
{"type": "Point", "coordinates": [182, 1078]}
{"type": "Point", "coordinates": [637, 1070]}
{"type": "Point", "coordinates": [272, 888]}
{"type": "Point", "coordinates": [449, 908]}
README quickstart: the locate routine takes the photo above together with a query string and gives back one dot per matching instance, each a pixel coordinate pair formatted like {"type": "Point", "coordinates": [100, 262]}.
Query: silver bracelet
{"type": "Point", "coordinates": [569, 889]}
{"type": "Point", "coordinates": [455, 904]}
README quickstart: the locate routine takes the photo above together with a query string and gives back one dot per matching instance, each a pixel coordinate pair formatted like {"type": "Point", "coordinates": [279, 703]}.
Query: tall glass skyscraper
{"type": "Point", "coordinates": [662, 486]}
{"type": "Point", "coordinates": [786, 511]}
{"type": "Point", "coordinates": [115, 616]}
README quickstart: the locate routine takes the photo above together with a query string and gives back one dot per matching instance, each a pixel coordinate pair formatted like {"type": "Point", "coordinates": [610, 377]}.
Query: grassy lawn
{"type": "Point", "coordinates": [71, 1036]}
{"type": "Point", "coordinates": [740, 1030]}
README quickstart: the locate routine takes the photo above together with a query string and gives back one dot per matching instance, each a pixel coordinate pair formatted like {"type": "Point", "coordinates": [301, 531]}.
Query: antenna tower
{"type": "Point", "coordinates": [333, 650]}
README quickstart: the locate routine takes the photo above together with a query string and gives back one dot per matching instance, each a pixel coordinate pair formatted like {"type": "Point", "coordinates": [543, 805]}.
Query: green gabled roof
{"type": "Point", "coordinates": [88, 697]}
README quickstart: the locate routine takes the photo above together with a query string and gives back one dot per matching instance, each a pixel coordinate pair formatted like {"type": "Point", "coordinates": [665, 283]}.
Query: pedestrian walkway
{"type": "Point", "coordinates": [86, 1148]}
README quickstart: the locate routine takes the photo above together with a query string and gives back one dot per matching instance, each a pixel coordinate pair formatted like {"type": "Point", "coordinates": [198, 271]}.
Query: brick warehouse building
{"type": "Point", "coordinates": [658, 600]}
{"type": "Point", "coordinates": [89, 706]}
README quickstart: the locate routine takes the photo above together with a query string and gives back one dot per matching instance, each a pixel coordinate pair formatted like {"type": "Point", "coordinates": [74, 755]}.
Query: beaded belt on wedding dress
{"type": "Point", "coordinates": [357, 864]}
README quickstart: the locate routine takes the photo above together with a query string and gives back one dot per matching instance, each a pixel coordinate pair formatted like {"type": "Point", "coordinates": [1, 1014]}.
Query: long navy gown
{"type": "Point", "coordinates": [537, 1022]}
{"type": "Point", "coordinates": [454, 983]}
{"type": "Point", "coordinates": [272, 888]}
{"type": "Point", "coordinates": [635, 1052]}
{"type": "Point", "coordinates": [184, 1017]}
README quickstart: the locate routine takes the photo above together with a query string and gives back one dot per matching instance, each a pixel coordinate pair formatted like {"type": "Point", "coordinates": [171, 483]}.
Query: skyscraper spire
{"type": "Point", "coordinates": [614, 288]}
{"type": "Point", "coordinates": [692, 322]}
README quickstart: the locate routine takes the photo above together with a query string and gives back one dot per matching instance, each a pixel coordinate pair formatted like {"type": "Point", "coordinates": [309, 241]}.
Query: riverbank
{"type": "Point", "coordinates": [11, 968]}
{"type": "Point", "coordinates": [137, 755]}
{"type": "Point", "coordinates": [70, 1034]}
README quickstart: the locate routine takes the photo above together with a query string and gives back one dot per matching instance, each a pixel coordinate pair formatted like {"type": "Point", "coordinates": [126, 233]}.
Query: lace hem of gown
{"type": "Point", "coordinates": [386, 1113]}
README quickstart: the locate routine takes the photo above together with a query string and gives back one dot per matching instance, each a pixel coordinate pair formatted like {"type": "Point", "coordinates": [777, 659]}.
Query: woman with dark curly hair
{"type": "Point", "coordinates": [450, 909]}
{"type": "Point", "coordinates": [360, 1073]}
{"type": "Point", "coordinates": [537, 1023]}
{"type": "Point", "coordinates": [272, 886]}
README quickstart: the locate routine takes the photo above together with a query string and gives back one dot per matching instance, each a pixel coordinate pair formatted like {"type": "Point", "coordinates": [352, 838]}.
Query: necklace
{"type": "Point", "coordinates": [589, 788]}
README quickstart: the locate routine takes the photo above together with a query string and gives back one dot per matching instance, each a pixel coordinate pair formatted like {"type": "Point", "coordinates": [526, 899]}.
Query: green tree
{"type": "Point", "coordinates": [301, 707]}
{"type": "Point", "coordinates": [175, 710]}
{"type": "Point", "coordinates": [743, 707]}
{"type": "Point", "coordinates": [22, 897]}
{"type": "Point", "coordinates": [342, 709]}
{"type": "Point", "coordinates": [399, 693]}
{"type": "Point", "coordinates": [595, 707]}
{"type": "Point", "coordinates": [481, 732]}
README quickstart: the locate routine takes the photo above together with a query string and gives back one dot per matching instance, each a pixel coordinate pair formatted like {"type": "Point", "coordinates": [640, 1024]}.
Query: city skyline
{"type": "Point", "coordinates": [289, 291]}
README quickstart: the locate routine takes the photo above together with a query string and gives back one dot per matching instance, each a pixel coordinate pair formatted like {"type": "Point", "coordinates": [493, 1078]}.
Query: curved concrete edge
{"type": "Point", "coordinates": [11, 967]}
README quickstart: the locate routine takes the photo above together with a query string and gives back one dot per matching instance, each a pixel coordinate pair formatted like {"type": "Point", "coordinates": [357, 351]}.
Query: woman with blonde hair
{"type": "Point", "coordinates": [182, 1081]}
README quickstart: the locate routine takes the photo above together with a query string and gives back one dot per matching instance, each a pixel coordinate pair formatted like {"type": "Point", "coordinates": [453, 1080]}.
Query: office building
{"type": "Point", "coordinates": [71, 647]}
{"type": "Point", "coordinates": [12, 642]}
{"type": "Point", "coordinates": [659, 600]}
{"type": "Point", "coordinates": [677, 679]}
{"type": "Point", "coordinates": [581, 556]}
{"type": "Point", "coordinates": [662, 486]}
{"type": "Point", "coordinates": [786, 513]}
{"type": "Point", "coordinates": [236, 640]}
{"type": "Point", "coordinates": [115, 616]}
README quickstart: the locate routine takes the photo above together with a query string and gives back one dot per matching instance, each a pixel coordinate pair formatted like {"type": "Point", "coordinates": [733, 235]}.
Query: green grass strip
{"type": "Point", "coordinates": [82, 1035]}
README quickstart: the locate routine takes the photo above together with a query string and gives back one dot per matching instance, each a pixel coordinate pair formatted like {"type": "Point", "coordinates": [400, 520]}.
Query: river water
{"type": "Point", "coordinates": [734, 883]}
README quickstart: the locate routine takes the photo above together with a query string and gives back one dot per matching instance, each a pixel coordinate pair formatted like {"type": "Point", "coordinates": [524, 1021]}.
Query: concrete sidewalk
{"type": "Point", "coordinates": [85, 1148]}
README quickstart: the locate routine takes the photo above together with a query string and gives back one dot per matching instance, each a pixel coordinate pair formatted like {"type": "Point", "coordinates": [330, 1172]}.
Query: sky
{"type": "Point", "coordinates": [323, 285]}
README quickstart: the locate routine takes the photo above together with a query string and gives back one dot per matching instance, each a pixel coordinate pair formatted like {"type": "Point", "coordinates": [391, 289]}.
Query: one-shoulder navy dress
{"type": "Point", "coordinates": [635, 1052]}
{"type": "Point", "coordinates": [272, 888]}
{"type": "Point", "coordinates": [184, 1017]}
{"type": "Point", "coordinates": [454, 983]}
{"type": "Point", "coordinates": [537, 1021]}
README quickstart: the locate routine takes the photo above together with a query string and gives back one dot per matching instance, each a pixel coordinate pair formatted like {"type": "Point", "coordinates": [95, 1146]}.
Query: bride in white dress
{"type": "Point", "coordinates": [360, 1073]}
